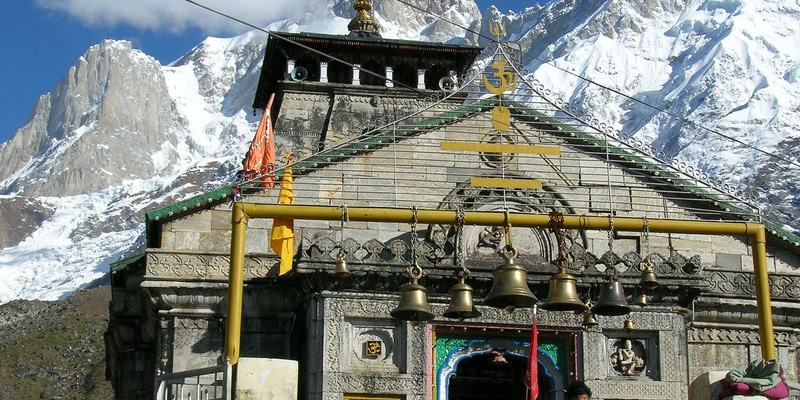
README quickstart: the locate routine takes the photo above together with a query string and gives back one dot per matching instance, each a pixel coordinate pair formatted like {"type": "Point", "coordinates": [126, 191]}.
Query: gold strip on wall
{"type": "Point", "coordinates": [501, 148]}
{"type": "Point", "coordinates": [508, 183]}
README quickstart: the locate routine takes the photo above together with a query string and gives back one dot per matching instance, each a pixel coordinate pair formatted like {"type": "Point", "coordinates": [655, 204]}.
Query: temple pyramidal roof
{"type": "Point", "coordinates": [491, 102]}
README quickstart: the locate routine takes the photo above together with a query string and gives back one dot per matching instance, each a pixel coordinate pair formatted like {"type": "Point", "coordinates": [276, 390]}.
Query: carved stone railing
{"type": "Point", "coordinates": [195, 266]}
{"type": "Point", "coordinates": [781, 286]}
{"type": "Point", "coordinates": [377, 265]}
{"type": "Point", "coordinates": [211, 383]}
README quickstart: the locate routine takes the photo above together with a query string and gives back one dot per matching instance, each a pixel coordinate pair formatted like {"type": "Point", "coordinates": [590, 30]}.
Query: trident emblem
{"type": "Point", "coordinates": [508, 79]}
{"type": "Point", "coordinates": [497, 28]}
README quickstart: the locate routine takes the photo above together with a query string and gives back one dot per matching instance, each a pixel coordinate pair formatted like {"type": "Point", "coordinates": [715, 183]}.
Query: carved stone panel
{"type": "Point", "coordinates": [368, 345]}
{"type": "Point", "coordinates": [628, 357]}
{"type": "Point", "coordinates": [202, 266]}
{"type": "Point", "coordinates": [647, 363]}
{"type": "Point", "coordinates": [353, 325]}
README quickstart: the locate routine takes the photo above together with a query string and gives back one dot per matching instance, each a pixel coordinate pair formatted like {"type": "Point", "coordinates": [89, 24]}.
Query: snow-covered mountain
{"type": "Point", "coordinates": [121, 134]}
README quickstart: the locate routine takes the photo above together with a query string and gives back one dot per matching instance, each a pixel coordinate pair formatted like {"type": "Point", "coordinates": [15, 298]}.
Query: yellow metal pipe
{"type": "Point", "coordinates": [497, 218]}
{"type": "Point", "coordinates": [754, 231]}
{"type": "Point", "coordinates": [759, 243]}
{"type": "Point", "coordinates": [233, 325]}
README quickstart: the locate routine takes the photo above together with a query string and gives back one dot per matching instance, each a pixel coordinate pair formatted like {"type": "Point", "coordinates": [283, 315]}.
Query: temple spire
{"type": "Point", "coordinates": [362, 25]}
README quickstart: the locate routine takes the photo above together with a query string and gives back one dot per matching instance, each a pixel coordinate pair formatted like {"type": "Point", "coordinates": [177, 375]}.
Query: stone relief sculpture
{"type": "Point", "coordinates": [625, 360]}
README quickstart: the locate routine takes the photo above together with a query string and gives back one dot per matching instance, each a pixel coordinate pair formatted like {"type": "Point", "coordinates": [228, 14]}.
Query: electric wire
{"type": "Point", "coordinates": [617, 92]}
{"type": "Point", "coordinates": [399, 129]}
{"type": "Point", "coordinates": [548, 62]}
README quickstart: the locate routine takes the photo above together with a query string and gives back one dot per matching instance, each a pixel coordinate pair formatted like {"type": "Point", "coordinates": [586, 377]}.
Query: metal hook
{"type": "Point", "coordinates": [557, 225]}
{"type": "Point", "coordinates": [345, 218]}
{"type": "Point", "coordinates": [611, 233]}
{"type": "Point", "coordinates": [414, 235]}
{"type": "Point", "coordinates": [461, 218]}
{"type": "Point", "coordinates": [415, 272]}
{"type": "Point", "coordinates": [646, 234]}
{"type": "Point", "coordinates": [507, 225]}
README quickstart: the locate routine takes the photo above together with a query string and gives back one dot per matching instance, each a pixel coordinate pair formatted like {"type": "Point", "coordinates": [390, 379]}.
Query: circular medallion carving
{"type": "Point", "coordinates": [628, 357]}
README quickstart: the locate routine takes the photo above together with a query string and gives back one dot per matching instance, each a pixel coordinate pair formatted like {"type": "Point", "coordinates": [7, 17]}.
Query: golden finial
{"type": "Point", "coordinates": [362, 25]}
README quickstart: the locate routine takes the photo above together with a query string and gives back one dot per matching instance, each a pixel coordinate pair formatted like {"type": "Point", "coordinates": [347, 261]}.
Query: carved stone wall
{"type": "Point", "coordinates": [344, 327]}
{"type": "Point", "coordinates": [721, 349]}
{"type": "Point", "coordinates": [659, 344]}
{"type": "Point", "coordinates": [343, 323]}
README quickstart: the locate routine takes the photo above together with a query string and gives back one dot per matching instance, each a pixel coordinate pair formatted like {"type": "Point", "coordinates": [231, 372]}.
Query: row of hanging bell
{"type": "Point", "coordinates": [414, 307]}
{"type": "Point", "coordinates": [413, 304]}
{"type": "Point", "coordinates": [509, 291]}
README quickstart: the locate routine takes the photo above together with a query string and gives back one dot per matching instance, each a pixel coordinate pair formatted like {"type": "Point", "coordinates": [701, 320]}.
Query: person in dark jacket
{"type": "Point", "coordinates": [578, 391]}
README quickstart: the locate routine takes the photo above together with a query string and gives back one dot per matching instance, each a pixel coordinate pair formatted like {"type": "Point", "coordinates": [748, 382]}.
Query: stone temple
{"type": "Point", "coordinates": [423, 173]}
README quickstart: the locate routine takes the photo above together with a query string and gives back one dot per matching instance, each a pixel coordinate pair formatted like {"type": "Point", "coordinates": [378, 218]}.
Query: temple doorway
{"type": "Point", "coordinates": [494, 376]}
{"type": "Point", "coordinates": [470, 368]}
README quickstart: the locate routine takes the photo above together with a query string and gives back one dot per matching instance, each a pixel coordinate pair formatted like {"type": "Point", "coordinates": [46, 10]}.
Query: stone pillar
{"type": "Point", "coordinates": [356, 74]}
{"type": "Point", "coordinates": [389, 77]}
{"type": "Point", "coordinates": [323, 71]}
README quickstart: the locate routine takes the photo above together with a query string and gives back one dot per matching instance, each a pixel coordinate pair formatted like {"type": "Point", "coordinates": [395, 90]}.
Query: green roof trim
{"type": "Point", "coordinates": [190, 205]}
{"type": "Point", "coordinates": [125, 263]}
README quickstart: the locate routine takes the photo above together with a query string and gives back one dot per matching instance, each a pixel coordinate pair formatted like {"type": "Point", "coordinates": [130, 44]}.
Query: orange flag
{"type": "Point", "coordinates": [260, 161]}
{"type": "Point", "coordinates": [282, 241]}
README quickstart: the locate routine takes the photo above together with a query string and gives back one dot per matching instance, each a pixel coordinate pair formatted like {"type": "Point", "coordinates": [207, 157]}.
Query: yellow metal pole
{"type": "Point", "coordinates": [754, 231]}
{"type": "Point", "coordinates": [233, 326]}
{"type": "Point", "coordinates": [758, 240]}
{"type": "Point", "coordinates": [495, 218]}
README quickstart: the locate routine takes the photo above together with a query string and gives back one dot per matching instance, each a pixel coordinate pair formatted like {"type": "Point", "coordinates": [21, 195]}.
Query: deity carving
{"type": "Point", "coordinates": [491, 238]}
{"type": "Point", "coordinates": [627, 359]}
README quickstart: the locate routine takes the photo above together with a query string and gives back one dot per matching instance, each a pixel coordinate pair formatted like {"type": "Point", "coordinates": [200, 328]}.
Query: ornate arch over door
{"type": "Point", "coordinates": [491, 366]}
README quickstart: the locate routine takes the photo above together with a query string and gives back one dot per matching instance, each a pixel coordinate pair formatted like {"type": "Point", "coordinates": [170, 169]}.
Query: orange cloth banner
{"type": "Point", "coordinates": [282, 241]}
{"type": "Point", "coordinates": [260, 161]}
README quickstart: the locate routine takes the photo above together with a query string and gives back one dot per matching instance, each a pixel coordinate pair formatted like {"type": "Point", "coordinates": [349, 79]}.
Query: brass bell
{"type": "Point", "coordinates": [648, 281]}
{"type": "Point", "coordinates": [612, 299]}
{"type": "Point", "coordinates": [628, 327]}
{"type": "Point", "coordinates": [641, 301]}
{"type": "Point", "coordinates": [340, 271]}
{"type": "Point", "coordinates": [461, 305]}
{"type": "Point", "coordinates": [563, 294]}
{"type": "Point", "coordinates": [413, 304]}
{"type": "Point", "coordinates": [588, 316]}
{"type": "Point", "coordinates": [589, 319]}
{"type": "Point", "coordinates": [510, 288]}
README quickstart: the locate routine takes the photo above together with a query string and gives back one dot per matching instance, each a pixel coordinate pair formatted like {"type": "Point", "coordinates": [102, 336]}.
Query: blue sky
{"type": "Point", "coordinates": [41, 39]}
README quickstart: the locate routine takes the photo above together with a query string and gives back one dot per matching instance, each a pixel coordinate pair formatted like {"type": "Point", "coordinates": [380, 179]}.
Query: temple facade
{"type": "Point", "coordinates": [380, 126]}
